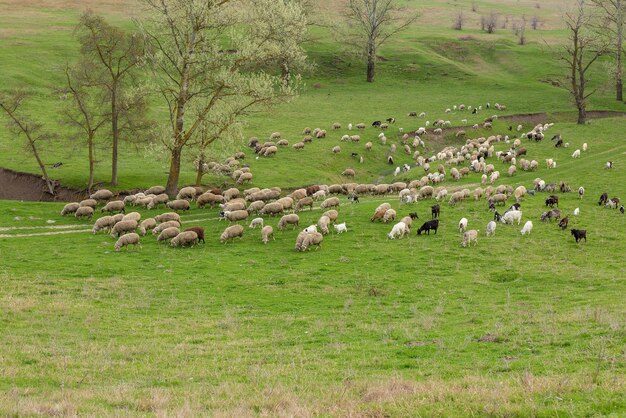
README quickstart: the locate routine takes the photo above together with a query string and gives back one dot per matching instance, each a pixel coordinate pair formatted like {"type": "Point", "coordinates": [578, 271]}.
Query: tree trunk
{"type": "Point", "coordinates": [115, 132]}
{"type": "Point", "coordinates": [91, 162]}
{"type": "Point", "coordinates": [582, 114]}
{"type": "Point", "coordinates": [618, 58]}
{"type": "Point", "coordinates": [199, 175]}
{"type": "Point", "coordinates": [171, 188]}
{"type": "Point", "coordinates": [42, 167]}
{"type": "Point", "coordinates": [285, 73]}
{"type": "Point", "coordinates": [371, 60]}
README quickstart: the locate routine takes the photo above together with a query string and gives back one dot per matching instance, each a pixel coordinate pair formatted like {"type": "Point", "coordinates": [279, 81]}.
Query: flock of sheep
{"type": "Point", "coordinates": [476, 156]}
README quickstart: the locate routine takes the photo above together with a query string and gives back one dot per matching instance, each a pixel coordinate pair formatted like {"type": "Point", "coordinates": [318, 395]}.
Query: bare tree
{"type": "Point", "coordinates": [114, 54]}
{"type": "Point", "coordinates": [375, 21]}
{"type": "Point", "coordinates": [582, 50]}
{"type": "Point", "coordinates": [206, 66]}
{"type": "Point", "coordinates": [535, 22]}
{"type": "Point", "coordinates": [612, 25]}
{"type": "Point", "coordinates": [21, 123]}
{"type": "Point", "coordinates": [85, 113]}
{"type": "Point", "coordinates": [489, 23]}
{"type": "Point", "coordinates": [459, 21]}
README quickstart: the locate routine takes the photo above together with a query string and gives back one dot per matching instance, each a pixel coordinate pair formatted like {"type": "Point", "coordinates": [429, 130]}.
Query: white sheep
{"type": "Point", "coordinates": [266, 233]}
{"type": "Point", "coordinates": [581, 192]}
{"type": "Point", "coordinates": [585, 146]}
{"type": "Point", "coordinates": [462, 225]}
{"type": "Point", "coordinates": [511, 216]}
{"type": "Point", "coordinates": [491, 228]}
{"type": "Point", "coordinates": [399, 230]}
{"type": "Point", "coordinates": [528, 226]}
{"type": "Point", "coordinates": [576, 154]}
{"type": "Point", "coordinates": [126, 240]}
{"type": "Point", "coordinates": [576, 211]}
{"type": "Point", "coordinates": [310, 229]}
{"type": "Point", "coordinates": [256, 222]}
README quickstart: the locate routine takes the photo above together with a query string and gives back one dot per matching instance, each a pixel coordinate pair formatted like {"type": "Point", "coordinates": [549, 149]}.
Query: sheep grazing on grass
{"type": "Point", "coordinates": [390, 215]}
{"type": "Point", "coordinates": [399, 230]}
{"type": "Point", "coordinates": [330, 202]}
{"type": "Point", "coordinates": [428, 226]}
{"type": "Point", "coordinates": [576, 154]}
{"type": "Point", "coordinates": [178, 204]}
{"type": "Point", "coordinates": [135, 216]}
{"type": "Point", "coordinates": [102, 195]}
{"type": "Point", "coordinates": [310, 229]}
{"type": "Point", "coordinates": [167, 216]}
{"type": "Point", "coordinates": [92, 203]}
{"type": "Point", "coordinates": [115, 206]}
{"type": "Point", "coordinates": [105, 223]}
{"type": "Point", "coordinates": [70, 208]}
{"type": "Point", "coordinates": [231, 232]}
{"type": "Point", "coordinates": [127, 240]}
{"type": "Point", "coordinates": [236, 215]}
{"type": "Point", "coordinates": [510, 217]}
{"type": "Point", "coordinates": [155, 190]}
{"type": "Point", "coordinates": [199, 232]}
{"type": "Point", "coordinates": [266, 233]}
{"type": "Point", "coordinates": [305, 242]}
{"type": "Point", "coordinates": [331, 214]}
{"type": "Point", "coordinates": [581, 192]}
{"type": "Point", "coordinates": [158, 200]}
{"type": "Point", "coordinates": [463, 225]}
{"type": "Point", "coordinates": [491, 228]}
{"type": "Point", "coordinates": [336, 149]}
{"type": "Point", "coordinates": [469, 236]}
{"type": "Point", "coordinates": [123, 227]}
{"type": "Point", "coordinates": [291, 219]}
{"type": "Point", "coordinates": [348, 172]}
{"type": "Point", "coordinates": [528, 226]}
{"type": "Point", "coordinates": [579, 234]}
{"type": "Point", "coordinates": [146, 225]}
{"type": "Point", "coordinates": [186, 238]}
{"type": "Point", "coordinates": [256, 222]}
{"type": "Point", "coordinates": [323, 223]}
{"type": "Point", "coordinates": [608, 165]}
{"type": "Point", "coordinates": [576, 211]}
{"type": "Point", "coordinates": [341, 228]}
{"type": "Point", "coordinates": [210, 199]}
{"type": "Point", "coordinates": [163, 226]}
{"type": "Point", "coordinates": [187, 193]}
{"type": "Point", "coordinates": [84, 212]}
{"type": "Point", "coordinates": [621, 209]}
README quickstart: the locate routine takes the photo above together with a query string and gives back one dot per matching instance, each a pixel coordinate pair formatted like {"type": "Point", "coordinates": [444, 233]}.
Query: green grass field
{"type": "Point", "coordinates": [364, 326]}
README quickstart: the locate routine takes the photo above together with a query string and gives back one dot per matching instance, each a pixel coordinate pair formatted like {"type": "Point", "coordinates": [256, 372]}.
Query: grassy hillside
{"type": "Point", "coordinates": [364, 326]}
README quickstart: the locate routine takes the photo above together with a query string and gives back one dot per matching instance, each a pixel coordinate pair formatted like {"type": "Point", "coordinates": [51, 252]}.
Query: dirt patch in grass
{"type": "Point", "coordinates": [30, 187]}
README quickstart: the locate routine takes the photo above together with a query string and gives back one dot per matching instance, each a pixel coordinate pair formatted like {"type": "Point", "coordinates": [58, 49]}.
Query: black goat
{"type": "Point", "coordinates": [434, 211]}
{"type": "Point", "coordinates": [413, 215]}
{"type": "Point", "coordinates": [552, 200]}
{"type": "Point", "coordinates": [604, 197]}
{"type": "Point", "coordinates": [376, 124]}
{"type": "Point", "coordinates": [428, 226]}
{"type": "Point", "coordinates": [391, 120]}
{"type": "Point", "coordinates": [563, 223]}
{"type": "Point", "coordinates": [579, 234]}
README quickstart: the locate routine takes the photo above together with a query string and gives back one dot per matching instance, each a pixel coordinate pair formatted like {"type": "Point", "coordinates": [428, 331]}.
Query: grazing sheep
{"type": "Point", "coordinates": [123, 227]}
{"type": "Point", "coordinates": [390, 215]}
{"type": "Point", "coordinates": [178, 204]}
{"type": "Point", "coordinates": [147, 225]}
{"type": "Point", "coordinates": [348, 172]}
{"type": "Point", "coordinates": [115, 206]}
{"type": "Point", "coordinates": [341, 228]}
{"type": "Point", "coordinates": [126, 240]}
{"type": "Point", "coordinates": [302, 203]}
{"type": "Point", "coordinates": [157, 200]}
{"type": "Point", "coordinates": [102, 194]}
{"type": "Point", "coordinates": [104, 223]}
{"type": "Point", "coordinates": [511, 216]}
{"type": "Point", "coordinates": [186, 238]}
{"type": "Point", "coordinates": [92, 203]}
{"type": "Point", "coordinates": [167, 216]}
{"type": "Point", "coordinates": [469, 236]}
{"type": "Point", "coordinates": [135, 216]}
{"type": "Point", "coordinates": [187, 193]}
{"type": "Point", "coordinates": [399, 230]}
{"type": "Point", "coordinates": [310, 229]}
{"type": "Point", "coordinates": [336, 125]}
{"type": "Point", "coordinates": [491, 228]}
{"type": "Point", "coordinates": [463, 225]}
{"type": "Point", "coordinates": [266, 233]}
{"type": "Point", "coordinates": [576, 211]}
{"type": "Point", "coordinates": [576, 154]}
{"type": "Point", "coordinates": [323, 223]}
{"type": "Point", "coordinates": [199, 232]}
{"type": "Point", "coordinates": [332, 215]}
{"type": "Point", "coordinates": [309, 240]}
{"type": "Point", "coordinates": [256, 222]}
{"type": "Point", "coordinates": [156, 190]}
{"type": "Point", "coordinates": [291, 219]}
{"type": "Point", "coordinates": [428, 226]}
{"type": "Point", "coordinates": [621, 209]}
{"type": "Point", "coordinates": [231, 232]}
{"type": "Point", "coordinates": [84, 212]}
{"type": "Point", "coordinates": [272, 209]}
{"type": "Point", "coordinates": [336, 149]}
{"type": "Point", "coordinates": [528, 226]}
{"type": "Point", "coordinates": [330, 202]}
{"type": "Point", "coordinates": [236, 215]}
{"type": "Point", "coordinates": [168, 233]}
{"type": "Point", "coordinates": [210, 199]}
{"type": "Point", "coordinates": [163, 226]}
{"type": "Point", "coordinates": [70, 208]}
{"type": "Point", "coordinates": [244, 177]}
{"type": "Point", "coordinates": [579, 234]}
